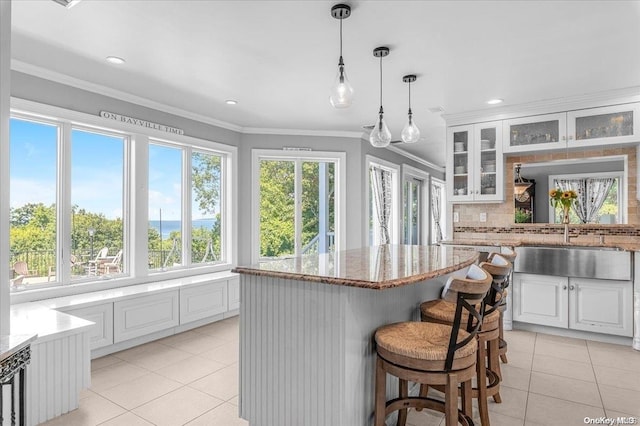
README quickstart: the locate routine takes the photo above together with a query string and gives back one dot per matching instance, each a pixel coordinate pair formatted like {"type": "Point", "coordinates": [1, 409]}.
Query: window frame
{"type": "Point", "coordinates": [424, 224]}
{"type": "Point", "coordinates": [135, 215]}
{"type": "Point", "coordinates": [396, 205]}
{"type": "Point", "coordinates": [339, 158]}
{"type": "Point", "coordinates": [443, 210]}
{"type": "Point", "coordinates": [622, 191]}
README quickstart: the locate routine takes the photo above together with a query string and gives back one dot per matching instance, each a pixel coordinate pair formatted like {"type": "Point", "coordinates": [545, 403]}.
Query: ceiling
{"type": "Point", "coordinates": [278, 59]}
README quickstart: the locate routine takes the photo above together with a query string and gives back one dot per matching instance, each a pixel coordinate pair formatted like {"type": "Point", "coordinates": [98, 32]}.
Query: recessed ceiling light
{"type": "Point", "coordinates": [115, 60]}
{"type": "Point", "coordinates": [495, 101]}
{"type": "Point", "coordinates": [231, 102]}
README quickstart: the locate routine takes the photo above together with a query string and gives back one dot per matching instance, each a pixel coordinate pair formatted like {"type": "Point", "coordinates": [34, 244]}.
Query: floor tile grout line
{"type": "Point", "coordinates": [595, 375]}
{"type": "Point", "coordinates": [526, 403]}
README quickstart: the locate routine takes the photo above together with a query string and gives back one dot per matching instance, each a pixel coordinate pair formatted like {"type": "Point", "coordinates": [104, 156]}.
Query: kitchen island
{"type": "Point", "coordinates": [307, 324]}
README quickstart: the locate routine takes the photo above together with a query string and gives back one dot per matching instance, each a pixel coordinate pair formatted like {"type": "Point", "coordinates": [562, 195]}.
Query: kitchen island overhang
{"type": "Point", "coordinates": [307, 323]}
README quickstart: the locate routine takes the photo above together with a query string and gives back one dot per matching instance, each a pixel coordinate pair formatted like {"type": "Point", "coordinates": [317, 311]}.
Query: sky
{"type": "Point", "coordinates": [97, 162]}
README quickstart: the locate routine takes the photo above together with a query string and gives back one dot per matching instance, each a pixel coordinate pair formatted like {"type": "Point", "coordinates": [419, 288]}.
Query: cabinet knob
{"type": "Point", "coordinates": [570, 137]}
{"type": "Point", "coordinates": [564, 287]}
{"type": "Point", "coordinates": [572, 287]}
{"type": "Point", "coordinates": [564, 138]}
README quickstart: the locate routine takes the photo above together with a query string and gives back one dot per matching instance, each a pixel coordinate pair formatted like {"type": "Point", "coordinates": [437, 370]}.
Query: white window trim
{"type": "Point", "coordinates": [622, 190]}
{"type": "Point", "coordinates": [340, 158]}
{"type": "Point", "coordinates": [138, 175]}
{"type": "Point", "coordinates": [396, 209]}
{"type": "Point", "coordinates": [410, 172]}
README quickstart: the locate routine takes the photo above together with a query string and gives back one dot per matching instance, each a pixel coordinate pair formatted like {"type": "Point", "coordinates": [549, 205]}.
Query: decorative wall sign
{"type": "Point", "coordinates": [142, 123]}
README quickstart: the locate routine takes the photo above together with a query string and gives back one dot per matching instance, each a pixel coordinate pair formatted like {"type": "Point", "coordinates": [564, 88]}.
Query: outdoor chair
{"type": "Point", "coordinates": [52, 269]}
{"type": "Point", "coordinates": [92, 265]}
{"type": "Point", "coordinates": [115, 264]}
{"type": "Point", "coordinates": [21, 268]}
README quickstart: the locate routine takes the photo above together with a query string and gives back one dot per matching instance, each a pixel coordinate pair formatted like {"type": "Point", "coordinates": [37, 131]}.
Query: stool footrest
{"type": "Point", "coordinates": [422, 403]}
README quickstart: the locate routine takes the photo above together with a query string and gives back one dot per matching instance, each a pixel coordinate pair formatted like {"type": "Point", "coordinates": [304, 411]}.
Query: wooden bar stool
{"type": "Point", "coordinates": [433, 354]}
{"type": "Point", "coordinates": [509, 254]}
{"type": "Point", "coordinates": [488, 373]}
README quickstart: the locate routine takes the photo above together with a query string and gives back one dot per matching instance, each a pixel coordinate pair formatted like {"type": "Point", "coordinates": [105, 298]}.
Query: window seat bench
{"type": "Point", "coordinates": [72, 330]}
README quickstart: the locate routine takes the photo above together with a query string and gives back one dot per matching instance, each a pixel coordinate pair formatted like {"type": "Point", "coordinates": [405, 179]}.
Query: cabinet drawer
{"type": "Point", "coordinates": [234, 293]}
{"type": "Point", "coordinates": [144, 315]}
{"type": "Point", "coordinates": [101, 333]}
{"type": "Point", "coordinates": [202, 301]}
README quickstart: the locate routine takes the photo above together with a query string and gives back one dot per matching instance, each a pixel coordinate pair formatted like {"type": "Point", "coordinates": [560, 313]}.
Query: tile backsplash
{"type": "Point", "coordinates": [500, 216]}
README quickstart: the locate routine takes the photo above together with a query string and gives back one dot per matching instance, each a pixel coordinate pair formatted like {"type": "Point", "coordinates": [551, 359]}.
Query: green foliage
{"type": "Point", "coordinates": [277, 208]}
{"type": "Point", "coordinates": [522, 216]}
{"type": "Point", "coordinates": [206, 171]}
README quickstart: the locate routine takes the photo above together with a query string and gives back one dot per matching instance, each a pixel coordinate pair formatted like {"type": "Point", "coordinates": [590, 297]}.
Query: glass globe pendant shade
{"type": "Point", "coordinates": [410, 132]}
{"type": "Point", "coordinates": [342, 91]}
{"type": "Point", "coordinates": [380, 136]}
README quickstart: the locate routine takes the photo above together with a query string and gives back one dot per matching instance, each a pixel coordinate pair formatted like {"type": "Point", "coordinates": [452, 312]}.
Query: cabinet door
{"type": "Point", "coordinates": [144, 315]}
{"type": "Point", "coordinates": [540, 132]}
{"type": "Point", "coordinates": [540, 299]}
{"type": "Point", "coordinates": [202, 301]}
{"type": "Point", "coordinates": [234, 293]}
{"type": "Point", "coordinates": [460, 163]}
{"type": "Point", "coordinates": [488, 162]}
{"type": "Point", "coordinates": [601, 306]}
{"type": "Point", "coordinates": [101, 333]}
{"type": "Point", "coordinates": [602, 126]}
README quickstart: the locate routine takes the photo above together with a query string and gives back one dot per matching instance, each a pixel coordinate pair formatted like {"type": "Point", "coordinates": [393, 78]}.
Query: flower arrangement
{"type": "Point", "coordinates": [564, 199]}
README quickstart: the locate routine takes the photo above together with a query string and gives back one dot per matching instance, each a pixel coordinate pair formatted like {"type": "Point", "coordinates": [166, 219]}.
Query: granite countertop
{"type": "Point", "coordinates": [377, 267]}
{"type": "Point", "coordinates": [511, 242]}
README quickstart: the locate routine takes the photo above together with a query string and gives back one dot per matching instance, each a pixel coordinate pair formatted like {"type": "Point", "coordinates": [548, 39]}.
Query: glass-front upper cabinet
{"type": "Point", "coordinates": [606, 125]}
{"type": "Point", "coordinates": [459, 162]}
{"type": "Point", "coordinates": [475, 162]}
{"type": "Point", "coordinates": [540, 132]}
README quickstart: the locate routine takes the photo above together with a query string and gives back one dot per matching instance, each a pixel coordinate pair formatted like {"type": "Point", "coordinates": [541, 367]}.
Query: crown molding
{"type": "Point", "coordinates": [548, 106]}
{"type": "Point", "coordinates": [57, 77]}
{"type": "Point", "coordinates": [415, 158]}
{"type": "Point", "coordinates": [300, 132]}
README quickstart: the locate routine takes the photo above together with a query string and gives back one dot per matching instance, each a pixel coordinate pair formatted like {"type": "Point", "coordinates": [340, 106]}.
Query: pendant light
{"type": "Point", "coordinates": [410, 133]}
{"type": "Point", "coordinates": [380, 136]}
{"type": "Point", "coordinates": [342, 91]}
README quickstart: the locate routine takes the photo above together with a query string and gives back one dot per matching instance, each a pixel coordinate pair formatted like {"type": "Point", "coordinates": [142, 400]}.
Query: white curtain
{"type": "Point", "coordinates": [591, 195]}
{"type": "Point", "coordinates": [436, 209]}
{"type": "Point", "coordinates": [381, 193]}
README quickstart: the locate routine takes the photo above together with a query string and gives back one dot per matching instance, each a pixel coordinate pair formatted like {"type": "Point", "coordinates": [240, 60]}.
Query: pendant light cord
{"type": "Point", "coordinates": [380, 84]}
{"type": "Point", "coordinates": [340, 39]}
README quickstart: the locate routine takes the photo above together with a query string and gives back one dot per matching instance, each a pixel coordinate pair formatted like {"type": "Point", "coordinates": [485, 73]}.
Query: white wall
{"type": "Point", "coordinates": [5, 84]}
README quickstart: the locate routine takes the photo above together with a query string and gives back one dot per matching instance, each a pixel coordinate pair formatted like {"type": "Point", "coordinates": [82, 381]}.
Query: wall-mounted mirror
{"type": "Point", "coordinates": [601, 183]}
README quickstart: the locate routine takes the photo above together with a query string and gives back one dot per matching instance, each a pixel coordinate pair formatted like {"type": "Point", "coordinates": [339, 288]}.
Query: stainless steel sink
{"type": "Point", "coordinates": [575, 261]}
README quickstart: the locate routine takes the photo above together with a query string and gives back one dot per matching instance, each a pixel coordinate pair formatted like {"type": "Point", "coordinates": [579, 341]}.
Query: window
{"type": "Point", "coordinates": [600, 197]}
{"type": "Point", "coordinates": [82, 212]}
{"type": "Point", "coordinates": [33, 235]}
{"type": "Point", "coordinates": [383, 193]}
{"type": "Point", "coordinates": [200, 236]}
{"type": "Point", "coordinates": [415, 208]}
{"type": "Point", "coordinates": [165, 206]}
{"type": "Point", "coordinates": [97, 200]}
{"type": "Point", "coordinates": [298, 203]}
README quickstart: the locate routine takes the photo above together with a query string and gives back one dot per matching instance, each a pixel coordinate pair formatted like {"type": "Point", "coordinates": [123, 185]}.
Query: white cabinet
{"type": "Point", "coordinates": [475, 162]}
{"type": "Point", "coordinates": [101, 333]}
{"type": "Point", "coordinates": [145, 315]}
{"type": "Point", "coordinates": [602, 306]}
{"type": "Point", "coordinates": [604, 126]}
{"type": "Point", "coordinates": [539, 132]}
{"type": "Point", "coordinates": [202, 301]}
{"type": "Point", "coordinates": [609, 125]}
{"type": "Point", "coordinates": [540, 299]}
{"type": "Point", "coordinates": [234, 293]}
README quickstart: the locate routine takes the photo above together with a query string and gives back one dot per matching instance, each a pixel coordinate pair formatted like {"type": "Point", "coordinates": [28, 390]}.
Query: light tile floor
{"type": "Point", "coordinates": [192, 379]}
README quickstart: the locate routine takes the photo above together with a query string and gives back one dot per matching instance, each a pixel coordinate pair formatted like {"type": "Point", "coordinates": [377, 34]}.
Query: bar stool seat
{"type": "Point", "coordinates": [432, 354]}
{"type": "Point", "coordinates": [425, 341]}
